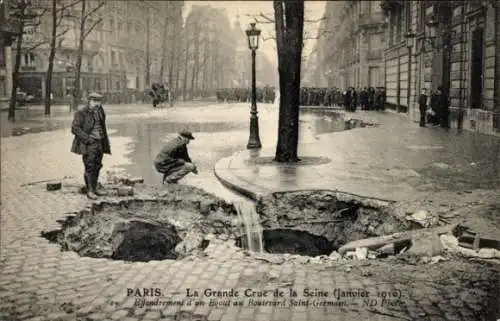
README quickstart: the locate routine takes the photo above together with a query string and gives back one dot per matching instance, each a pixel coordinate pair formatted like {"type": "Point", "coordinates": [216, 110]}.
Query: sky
{"type": "Point", "coordinates": [246, 9]}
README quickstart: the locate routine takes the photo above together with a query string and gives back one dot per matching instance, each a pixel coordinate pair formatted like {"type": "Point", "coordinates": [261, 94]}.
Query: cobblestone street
{"type": "Point", "coordinates": [39, 282]}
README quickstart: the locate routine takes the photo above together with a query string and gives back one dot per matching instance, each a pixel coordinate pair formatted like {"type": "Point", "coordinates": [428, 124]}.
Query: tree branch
{"type": "Point", "coordinates": [260, 18]}
{"type": "Point", "coordinates": [89, 30]}
{"type": "Point", "coordinates": [88, 14]}
{"type": "Point", "coordinates": [62, 33]}
{"type": "Point", "coordinates": [36, 46]}
{"type": "Point", "coordinates": [68, 5]}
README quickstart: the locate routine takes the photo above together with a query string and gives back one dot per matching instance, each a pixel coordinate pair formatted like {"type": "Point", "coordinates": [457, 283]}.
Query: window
{"type": "Point", "coordinates": [421, 17]}
{"type": "Point", "coordinates": [111, 24]}
{"type": "Point", "coordinates": [2, 56]}
{"type": "Point", "coordinates": [129, 27]}
{"type": "Point", "coordinates": [120, 26]}
{"type": "Point", "coordinates": [408, 6]}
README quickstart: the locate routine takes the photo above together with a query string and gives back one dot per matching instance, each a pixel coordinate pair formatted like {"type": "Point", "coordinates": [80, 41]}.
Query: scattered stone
{"type": "Point", "coordinates": [190, 243]}
{"type": "Point", "coordinates": [315, 260]}
{"type": "Point", "coordinates": [372, 255]}
{"type": "Point", "coordinates": [300, 259]}
{"type": "Point", "coordinates": [54, 186]}
{"type": "Point", "coordinates": [348, 269]}
{"type": "Point", "coordinates": [209, 237]}
{"type": "Point", "coordinates": [335, 256]}
{"type": "Point", "coordinates": [361, 253]}
{"type": "Point", "coordinates": [386, 250]}
{"type": "Point", "coordinates": [440, 165]}
{"type": "Point", "coordinates": [134, 180]}
{"type": "Point", "coordinates": [273, 275]}
{"type": "Point", "coordinates": [125, 191]}
{"type": "Point", "coordinates": [423, 218]}
{"type": "Point", "coordinates": [273, 259]}
{"type": "Point", "coordinates": [223, 237]}
{"type": "Point", "coordinates": [437, 259]}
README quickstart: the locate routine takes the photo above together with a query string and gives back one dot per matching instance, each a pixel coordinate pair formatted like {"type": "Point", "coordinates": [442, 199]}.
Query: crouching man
{"type": "Point", "coordinates": [173, 160]}
{"type": "Point", "coordinates": [91, 141]}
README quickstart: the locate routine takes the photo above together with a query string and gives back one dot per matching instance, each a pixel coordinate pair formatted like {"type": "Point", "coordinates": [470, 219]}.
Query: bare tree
{"type": "Point", "coordinates": [26, 17]}
{"type": "Point", "coordinates": [58, 16]}
{"type": "Point", "coordinates": [85, 16]}
{"type": "Point", "coordinates": [289, 23]}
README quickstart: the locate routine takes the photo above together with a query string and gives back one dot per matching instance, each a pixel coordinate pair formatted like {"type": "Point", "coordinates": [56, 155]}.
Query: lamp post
{"type": "Point", "coordinates": [253, 43]}
{"type": "Point", "coordinates": [410, 36]}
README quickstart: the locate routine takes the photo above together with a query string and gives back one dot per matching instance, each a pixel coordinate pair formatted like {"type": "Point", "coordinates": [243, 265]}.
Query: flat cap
{"type": "Point", "coordinates": [95, 96]}
{"type": "Point", "coordinates": [187, 134]}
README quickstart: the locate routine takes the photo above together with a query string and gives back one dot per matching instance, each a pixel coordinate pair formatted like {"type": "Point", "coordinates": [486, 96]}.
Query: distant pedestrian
{"type": "Point", "coordinates": [91, 141]}
{"type": "Point", "coordinates": [173, 160]}
{"type": "Point", "coordinates": [444, 107]}
{"type": "Point", "coordinates": [422, 106]}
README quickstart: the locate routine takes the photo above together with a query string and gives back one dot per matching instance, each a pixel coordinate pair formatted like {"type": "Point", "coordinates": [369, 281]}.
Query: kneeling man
{"type": "Point", "coordinates": [173, 160]}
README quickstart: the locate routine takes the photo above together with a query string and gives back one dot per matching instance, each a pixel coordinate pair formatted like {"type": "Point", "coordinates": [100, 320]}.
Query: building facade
{"type": "Point", "coordinates": [353, 44]}
{"type": "Point", "coordinates": [448, 44]}
{"type": "Point", "coordinates": [265, 73]}
{"type": "Point", "coordinates": [122, 53]}
{"type": "Point", "coordinates": [8, 30]}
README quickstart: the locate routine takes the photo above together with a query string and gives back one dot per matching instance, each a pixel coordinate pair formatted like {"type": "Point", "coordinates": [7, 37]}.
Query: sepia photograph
{"type": "Point", "coordinates": [281, 160]}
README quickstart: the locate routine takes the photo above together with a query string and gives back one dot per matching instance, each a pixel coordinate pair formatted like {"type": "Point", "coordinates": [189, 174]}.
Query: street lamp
{"type": "Point", "coordinates": [410, 39]}
{"type": "Point", "coordinates": [253, 43]}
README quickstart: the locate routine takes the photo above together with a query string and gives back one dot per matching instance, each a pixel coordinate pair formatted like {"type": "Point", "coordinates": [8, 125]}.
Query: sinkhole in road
{"type": "Point", "coordinates": [183, 221]}
{"type": "Point", "coordinates": [315, 223]}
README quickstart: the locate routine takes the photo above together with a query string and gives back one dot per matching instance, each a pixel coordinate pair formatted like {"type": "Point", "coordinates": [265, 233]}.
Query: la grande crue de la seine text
{"type": "Point", "coordinates": [337, 293]}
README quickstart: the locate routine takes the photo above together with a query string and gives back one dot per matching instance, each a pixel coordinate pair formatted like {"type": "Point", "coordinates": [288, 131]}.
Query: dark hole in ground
{"type": "Point", "coordinates": [289, 241]}
{"type": "Point", "coordinates": [145, 242]}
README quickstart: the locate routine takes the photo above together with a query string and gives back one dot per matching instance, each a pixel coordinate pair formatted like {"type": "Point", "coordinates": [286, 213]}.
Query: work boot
{"type": "Point", "coordinates": [91, 195]}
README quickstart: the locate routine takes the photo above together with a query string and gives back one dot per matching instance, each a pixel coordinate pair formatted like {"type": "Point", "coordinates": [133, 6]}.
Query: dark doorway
{"type": "Point", "coordinates": [476, 84]}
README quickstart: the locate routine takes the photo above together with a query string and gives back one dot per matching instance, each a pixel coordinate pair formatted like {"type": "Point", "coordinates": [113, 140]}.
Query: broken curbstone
{"type": "Point", "coordinates": [125, 191]}
{"type": "Point", "coordinates": [134, 180]}
{"type": "Point", "coordinates": [54, 186]}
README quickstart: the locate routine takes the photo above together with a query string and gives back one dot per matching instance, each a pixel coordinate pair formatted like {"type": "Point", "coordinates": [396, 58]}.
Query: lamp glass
{"type": "Point", "coordinates": [409, 42]}
{"type": "Point", "coordinates": [253, 37]}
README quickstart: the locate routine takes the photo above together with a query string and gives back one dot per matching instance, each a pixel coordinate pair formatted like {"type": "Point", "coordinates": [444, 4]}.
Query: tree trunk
{"type": "Point", "coordinates": [148, 53]}
{"type": "Point", "coordinates": [164, 46]}
{"type": "Point", "coordinates": [173, 50]}
{"type": "Point", "coordinates": [17, 65]}
{"type": "Point", "coordinates": [186, 62]}
{"type": "Point", "coordinates": [289, 21]}
{"type": "Point", "coordinates": [194, 76]}
{"type": "Point", "coordinates": [77, 92]}
{"type": "Point", "coordinates": [52, 54]}
{"type": "Point", "coordinates": [496, 94]}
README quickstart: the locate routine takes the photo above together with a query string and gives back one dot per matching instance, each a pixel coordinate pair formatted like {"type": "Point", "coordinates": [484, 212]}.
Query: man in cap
{"type": "Point", "coordinates": [91, 141]}
{"type": "Point", "coordinates": [173, 160]}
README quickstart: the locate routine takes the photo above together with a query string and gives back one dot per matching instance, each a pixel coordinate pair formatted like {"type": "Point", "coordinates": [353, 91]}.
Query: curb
{"type": "Point", "coordinates": [220, 167]}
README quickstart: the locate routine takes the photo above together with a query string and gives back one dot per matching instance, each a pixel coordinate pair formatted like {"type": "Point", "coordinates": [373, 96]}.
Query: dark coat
{"type": "Point", "coordinates": [83, 122]}
{"type": "Point", "coordinates": [171, 153]}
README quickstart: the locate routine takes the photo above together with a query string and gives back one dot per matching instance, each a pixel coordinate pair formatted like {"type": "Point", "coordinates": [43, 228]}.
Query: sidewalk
{"type": "Point", "coordinates": [396, 160]}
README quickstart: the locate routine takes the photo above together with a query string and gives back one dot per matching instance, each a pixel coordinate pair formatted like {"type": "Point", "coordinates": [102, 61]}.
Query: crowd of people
{"type": "Point", "coordinates": [159, 93]}
{"type": "Point", "coordinates": [366, 98]}
{"type": "Point", "coordinates": [265, 94]}
{"type": "Point", "coordinates": [434, 108]}
{"type": "Point", "coordinates": [351, 98]}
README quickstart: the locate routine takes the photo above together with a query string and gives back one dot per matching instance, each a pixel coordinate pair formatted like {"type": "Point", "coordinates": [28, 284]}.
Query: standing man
{"type": "Point", "coordinates": [422, 106]}
{"type": "Point", "coordinates": [173, 160]}
{"type": "Point", "coordinates": [91, 141]}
